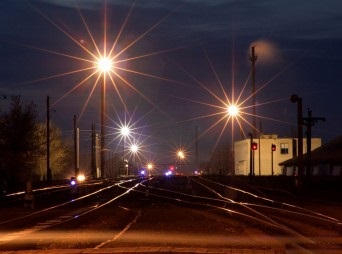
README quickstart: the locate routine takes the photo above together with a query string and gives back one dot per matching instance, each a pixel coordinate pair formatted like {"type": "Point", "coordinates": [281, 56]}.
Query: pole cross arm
{"type": "Point", "coordinates": [310, 121]}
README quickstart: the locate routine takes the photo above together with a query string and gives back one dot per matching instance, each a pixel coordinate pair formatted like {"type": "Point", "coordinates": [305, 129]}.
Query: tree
{"type": "Point", "coordinates": [17, 143]}
{"type": "Point", "coordinates": [60, 151]}
{"type": "Point", "coordinates": [23, 146]}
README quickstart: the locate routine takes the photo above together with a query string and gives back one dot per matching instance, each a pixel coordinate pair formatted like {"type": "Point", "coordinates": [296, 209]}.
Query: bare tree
{"type": "Point", "coordinates": [17, 144]}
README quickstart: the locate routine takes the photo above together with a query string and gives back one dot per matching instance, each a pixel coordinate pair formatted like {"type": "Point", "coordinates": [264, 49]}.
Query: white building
{"type": "Point", "coordinates": [263, 158]}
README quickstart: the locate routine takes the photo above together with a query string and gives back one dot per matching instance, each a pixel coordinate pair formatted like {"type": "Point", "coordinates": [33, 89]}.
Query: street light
{"type": "Point", "coordinates": [134, 150]}
{"type": "Point", "coordinates": [149, 167]}
{"type": "Point", "coordinates": [180, 155]}
{"type": "Point", "coordinates": [233, 110]}
{"type": "Point", "coordinates": [104, 65]}
{"type": "Point", "coordinates": [125, 131]}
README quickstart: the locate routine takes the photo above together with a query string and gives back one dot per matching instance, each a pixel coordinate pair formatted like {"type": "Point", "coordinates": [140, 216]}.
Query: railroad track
{"type": "Point", "coordinates": [305, 230]}
{"type": "Point", "coordinates": [16, 230]}
{"type": "Point", "coordinates": [298, 228]}
{"type": "Point", "coordinates": [179, 212]}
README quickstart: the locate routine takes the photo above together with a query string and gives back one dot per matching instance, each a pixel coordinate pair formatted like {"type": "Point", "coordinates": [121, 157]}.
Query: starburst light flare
{"type": "Point", "coordinates": [134, 148]}
{"type": "Point", "coordinates": [125, 131]}
{"type": "Point", "coordinates": [233, 110]}
{"type": "Point", "coordinates": [180, 154]}
{"type": "Point", "coordinates": [104, 64]}
{"type": "Point", "coordinates": [149, 166]}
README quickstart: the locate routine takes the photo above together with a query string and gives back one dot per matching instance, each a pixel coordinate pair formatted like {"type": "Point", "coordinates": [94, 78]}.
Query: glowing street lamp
{"type": "Point", "coordinates": [149, 166]}
{"type": "Point", "coordinates": [104, 65]}
{"type": "Point", "coordinates": [233, 110]}
{"type": "Point", "coordinates": [124, 132]}
{"type": "Point", "coordinates": [180, 155]}
{"type": "Point", "coordinates": [134, 150]}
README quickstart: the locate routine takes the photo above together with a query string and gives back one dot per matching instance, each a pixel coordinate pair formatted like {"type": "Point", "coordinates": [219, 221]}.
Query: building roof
{"type": "Point", "coordinates": [329, 153]}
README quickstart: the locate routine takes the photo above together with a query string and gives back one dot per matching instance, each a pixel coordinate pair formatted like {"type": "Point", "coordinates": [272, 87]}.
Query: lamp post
{"type": "Point", "coordinates": [181, 156]}
{"type": "Point", "coordinates": [233, 112]}
{"type": "Point", "coordinates": [134, 150]}
{"type": "Point", "coordinates": [124, 131]}
{"type": "Point", "coordinates": [104, 66]}
{"type": "Point", "coordinates": [149, 168]}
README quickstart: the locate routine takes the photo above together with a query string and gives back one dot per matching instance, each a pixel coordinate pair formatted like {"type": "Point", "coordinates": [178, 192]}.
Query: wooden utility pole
{"type": "Point", "coordinates": [48, 169]}
{"type": "Point", "coordinates": [309, 122]}
{"type": "Point", "coordinates": [76, 146]}
{"type": "Point", "coordinates": [196, 149]}
{"type": "Point", "coordinates": [93, 152]}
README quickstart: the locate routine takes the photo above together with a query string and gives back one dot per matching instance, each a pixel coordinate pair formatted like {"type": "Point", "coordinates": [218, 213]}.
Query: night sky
{"type": "Point", "coordinates": [177, 64]}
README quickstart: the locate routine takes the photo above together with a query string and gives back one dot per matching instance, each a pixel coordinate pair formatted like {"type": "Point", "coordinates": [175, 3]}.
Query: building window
{"type": "Point", "coordinates": [284, 148]}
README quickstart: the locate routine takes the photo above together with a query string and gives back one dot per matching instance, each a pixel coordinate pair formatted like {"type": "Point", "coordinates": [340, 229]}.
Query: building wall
{"type": "Point", "coordinates": [286, 148]}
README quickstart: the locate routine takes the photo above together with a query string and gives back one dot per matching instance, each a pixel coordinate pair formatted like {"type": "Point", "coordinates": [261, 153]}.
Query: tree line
{"type": "Point", "coordinates": [23, 146]}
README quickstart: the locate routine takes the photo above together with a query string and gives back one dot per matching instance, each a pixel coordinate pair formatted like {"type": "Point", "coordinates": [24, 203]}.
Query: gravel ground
{"type": "Point", "coordinates": [131, 224]}
{"type": "Point", "coordinates": [140, 222]}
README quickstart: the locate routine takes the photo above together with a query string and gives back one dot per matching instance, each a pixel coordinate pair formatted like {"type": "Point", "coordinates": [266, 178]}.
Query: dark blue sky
{"type": "Point", "coordinates": [198, 52]}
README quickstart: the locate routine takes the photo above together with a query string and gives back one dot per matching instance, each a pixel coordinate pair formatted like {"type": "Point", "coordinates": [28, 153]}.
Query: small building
{"type": "Point", "coordinates": [265, 160]}
{"type": "Point", "coordinates": [326, 160]}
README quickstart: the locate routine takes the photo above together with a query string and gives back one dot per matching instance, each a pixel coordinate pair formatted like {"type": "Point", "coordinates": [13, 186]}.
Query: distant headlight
{"type": "Point", "coordinates": [80, 178]}
{"type": "Point", "coordinates": [73, 181]}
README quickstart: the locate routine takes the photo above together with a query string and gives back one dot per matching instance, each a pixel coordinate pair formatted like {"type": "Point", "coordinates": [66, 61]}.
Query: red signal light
{"type": "Point", "coordinates": [273, 147]}
{"type": "Point", "coordinates": [254, 146]}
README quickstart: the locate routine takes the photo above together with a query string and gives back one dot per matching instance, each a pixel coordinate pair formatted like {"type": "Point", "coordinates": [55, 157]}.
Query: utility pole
{"type": "Point", "coordinates": [76, 147]}
{"type": "Point", "coordinates": [253, 57]}
{"type": "Point", "coordinates": [309, 122]}
{"type": "Point", "coordinates": [93, 152]}
{"type": "Point", "coordinates": [295, 99]}
{"type": "Point", "coordinates": [196, 149]}
{"type": "Point", "coordinates": [48, 169]}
